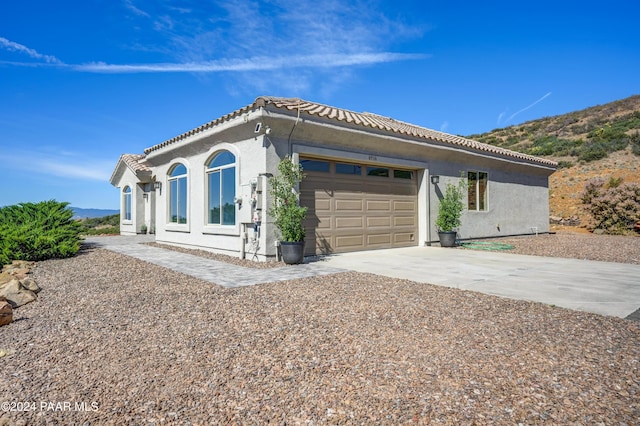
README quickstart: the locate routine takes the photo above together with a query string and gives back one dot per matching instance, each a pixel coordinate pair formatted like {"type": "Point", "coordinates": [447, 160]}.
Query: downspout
{"type": "Point", "coordinates": [243, 237]}
{"type": "Point", "coordinates": [429, 210]}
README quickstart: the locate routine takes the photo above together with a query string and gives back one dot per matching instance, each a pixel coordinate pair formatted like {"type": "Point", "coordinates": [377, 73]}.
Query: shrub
{"type": "Point", "coordinates": [592, 151]}
{"type": "Point", "coordinates": [615, 209]}
{"type": "Point", "coordinates": [563, 164]}
{"type": "Point", "coordinates": [38, 231]}
{"type": "Point", "coordinates": [288, 215]}
{"type": "Point", "coordinates": [634, 140]}
{"type": "Point", "coordinates": [451, 206]}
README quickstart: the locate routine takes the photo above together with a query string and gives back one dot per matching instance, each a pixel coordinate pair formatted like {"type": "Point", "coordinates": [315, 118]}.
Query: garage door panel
{"type": "Point", "coordinates": [349, 222]}
{"type": "Point", "coordinates": [378, 239]}
{"type": "Point", "coordinates": [354, 242]}
{"type": "Point", "coordinates": [349, 204]}
{"type": "Point", "coordinates": [404, 221]}
{"type": "Point", "coordinates": [378, 221]}
{"type": "Point", "coordinates": [324, 222]}
{"type": "Point", "coordinates": [403, 237]}
{"type": "Point", "coordinates": [323, 205]}
{"type": "Point", "coordinates": [378, 205]}
{"type": "Point", "coordinates": [409, 205]}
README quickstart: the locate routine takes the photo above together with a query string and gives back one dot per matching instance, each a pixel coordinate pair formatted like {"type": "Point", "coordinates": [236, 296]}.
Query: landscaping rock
{"type": "Point", "coordinates": [16, 294]}
{"type": "Point", "coordinates": [30, 284]}
{"type": "Point", "coordinates": [6, 312]}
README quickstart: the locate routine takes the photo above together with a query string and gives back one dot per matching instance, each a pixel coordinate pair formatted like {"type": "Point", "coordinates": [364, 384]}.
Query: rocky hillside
{"type": "Point", "coordinates": [603, 141]}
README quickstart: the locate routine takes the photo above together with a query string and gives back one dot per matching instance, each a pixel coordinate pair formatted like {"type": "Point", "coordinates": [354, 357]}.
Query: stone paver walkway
{"type": "Point", "coordinates": [221, 273]}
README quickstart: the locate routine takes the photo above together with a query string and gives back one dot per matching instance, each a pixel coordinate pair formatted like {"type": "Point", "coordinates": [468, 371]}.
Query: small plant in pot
{"type": "Point", "coordinates": [286, 211]}
{"type": "Point", "coordinates": [450, 212]}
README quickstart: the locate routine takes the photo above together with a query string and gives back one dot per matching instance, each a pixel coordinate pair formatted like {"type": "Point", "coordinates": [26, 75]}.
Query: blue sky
{"type": "Point", "coordinates": [82, 82]}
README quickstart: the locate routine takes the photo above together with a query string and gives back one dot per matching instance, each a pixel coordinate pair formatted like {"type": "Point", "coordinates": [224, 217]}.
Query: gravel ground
{"type": "Point", "coordinates": [147, 345]}
{"type": "Point", "coordinates": [607, 248]}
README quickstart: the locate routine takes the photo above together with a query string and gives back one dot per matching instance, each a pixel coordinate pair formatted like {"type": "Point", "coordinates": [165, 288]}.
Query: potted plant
{"type": "Point", "coordinates": [286, 211]}
{"type": "Point", "coordinates": [450, 212]}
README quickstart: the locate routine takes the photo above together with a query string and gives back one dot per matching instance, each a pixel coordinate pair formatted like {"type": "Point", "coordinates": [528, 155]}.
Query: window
{"type": "Point", "coordinates": [477, 190]}
{"type": "Point", "coordinates": [403, 174]}
{"type": "Point", "coordinates": [348, 169]}
{"type": "Point", "coordinates": [178, 194]}
{"type": "Point", "coordinates": [221, 177]}
{"type": "Point", "coordinates": [377, 171]}
{"type": "Point", "coordinates": [314, 166]}
{"type": "Point", "coordinates": [126, 203]}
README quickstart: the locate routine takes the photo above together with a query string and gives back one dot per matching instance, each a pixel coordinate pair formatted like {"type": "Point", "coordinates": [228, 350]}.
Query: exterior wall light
{"type": "Point", "coordinates": [435, 179]}
{"type": "Point", "coordinates": [158, 185]}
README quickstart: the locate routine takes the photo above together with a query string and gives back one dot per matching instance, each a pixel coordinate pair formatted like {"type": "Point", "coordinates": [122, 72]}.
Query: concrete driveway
{"type": "Point", "coordinates": [600, 287]}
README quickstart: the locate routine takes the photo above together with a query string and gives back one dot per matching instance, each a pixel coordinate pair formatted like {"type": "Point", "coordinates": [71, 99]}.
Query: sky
{"type": "Point", "coordinates": [82, 82]}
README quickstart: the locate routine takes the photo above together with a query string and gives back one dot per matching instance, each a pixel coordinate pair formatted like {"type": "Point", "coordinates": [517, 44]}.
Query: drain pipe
{"type": "Point", "coordinates": [428, 210]}
{"type": "Point", "coordinates": [243, 254]}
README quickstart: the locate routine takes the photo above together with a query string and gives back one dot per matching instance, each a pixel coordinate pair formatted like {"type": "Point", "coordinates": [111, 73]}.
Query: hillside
{"type": "Point", "coordinates": [602, 141]}
{"type": "Point", "coordinates": [80, 213]}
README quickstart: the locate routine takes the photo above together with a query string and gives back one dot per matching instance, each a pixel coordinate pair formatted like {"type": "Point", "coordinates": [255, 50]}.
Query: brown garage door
{"type": "Point", "coordinates": [358, 206]}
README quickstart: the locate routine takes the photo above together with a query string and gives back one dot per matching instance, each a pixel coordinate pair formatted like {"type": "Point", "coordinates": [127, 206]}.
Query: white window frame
{"type": "Point", "coordinates": [127, 211]}
{"type": "Point", "coordinates": [177, 179]}
{"type": "Point", "coordinates": [219, 169]}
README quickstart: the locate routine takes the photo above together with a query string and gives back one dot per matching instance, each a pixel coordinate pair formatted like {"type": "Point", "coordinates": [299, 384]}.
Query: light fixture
{"type": "Point", "coordinates": [157, 185]}
{"type": "Point", "coordinates": [435, 179]}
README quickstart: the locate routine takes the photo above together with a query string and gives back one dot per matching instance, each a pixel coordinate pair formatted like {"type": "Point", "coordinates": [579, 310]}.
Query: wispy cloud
{"type": "Point", "coordinates": [261, 63]}
{"type": "Point", "coordinates": [17, 47]}
{"type": "Point", "coordinates": [63, 164]}
{"type": "Point", "coordinates": [512, 116]}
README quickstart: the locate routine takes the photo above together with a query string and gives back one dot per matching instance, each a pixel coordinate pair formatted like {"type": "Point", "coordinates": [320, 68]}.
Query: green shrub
{"type": "Point", "coordinates": [451, 206]}
{"type": "Point", "coordinates": [592, 151]}
{"type": "Point", "coordinates": [287, 214]}
{"type": "Point", "coordinates": [563, 164]}
{"type": "Point", "coordinates": [38, 231]}
{"type": "Point", "coordinates": [613, 209]}
{"type": "Point", "coordinates": [634, 140]}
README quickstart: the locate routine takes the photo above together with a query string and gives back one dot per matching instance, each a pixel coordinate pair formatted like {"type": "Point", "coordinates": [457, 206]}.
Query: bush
{"type": "Point", "coordinates": [451, 206]}
{"type": "Point", "coordinates": [38, 231]}
{"type": "Point", "coordinates": [563, 164]}
{"type": "Point", "coordinates": [634, 140]}
{"type": "Point", "coordinates": [287, 214]}
{"type": "Point", "coordinates": [615, 209]}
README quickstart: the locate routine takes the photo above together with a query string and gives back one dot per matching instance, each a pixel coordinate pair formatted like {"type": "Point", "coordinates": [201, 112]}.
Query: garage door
{"type": "Point", "coordinates": [355, 207]}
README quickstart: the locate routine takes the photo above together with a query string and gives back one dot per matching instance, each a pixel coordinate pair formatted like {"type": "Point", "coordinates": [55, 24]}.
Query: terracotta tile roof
{"type": "Point", "coordinates": [136, 162]}
{"type": "Point", "coordinates": [364, 119]}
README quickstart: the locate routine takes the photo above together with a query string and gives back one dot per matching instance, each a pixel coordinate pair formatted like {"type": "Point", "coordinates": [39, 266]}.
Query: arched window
{"type": "Point", "coordinates": [126, 203]}
{"type": "Point", "coordinates": [221, 178]}
{"type": "Point", "coordinates": [178, 194]}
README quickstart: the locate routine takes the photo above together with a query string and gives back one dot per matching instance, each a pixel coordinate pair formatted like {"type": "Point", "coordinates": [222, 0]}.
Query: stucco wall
{"type": "Point", "coordinates": [250, 162]}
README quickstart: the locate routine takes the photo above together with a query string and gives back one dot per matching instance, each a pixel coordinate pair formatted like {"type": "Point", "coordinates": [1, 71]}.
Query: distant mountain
{"type": "Point", "coordinates": [80, 213]}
